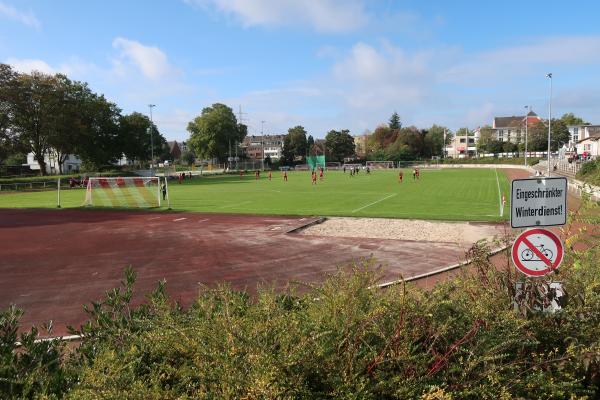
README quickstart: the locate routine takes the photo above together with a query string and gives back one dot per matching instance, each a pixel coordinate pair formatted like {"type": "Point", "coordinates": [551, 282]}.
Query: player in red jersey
{"type": "Point", "coordinates": [270, 175]}
{"type": "Point", "coordinates": [400, 176]}
{"type": "Point", "coordinates": [314, 177]}
{"type": "Point", "coordinates": [285, 176]}
{"type": "Point", "coordinates": [321, 174]}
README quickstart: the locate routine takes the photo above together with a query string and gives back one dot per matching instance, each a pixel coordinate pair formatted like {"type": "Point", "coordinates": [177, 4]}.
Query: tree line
{"type": "Point", "coordinates": [53, 116]}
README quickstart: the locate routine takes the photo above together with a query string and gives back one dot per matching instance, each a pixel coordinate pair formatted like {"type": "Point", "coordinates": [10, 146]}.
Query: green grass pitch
{"type": "Point", "coordinates": [444, 194]}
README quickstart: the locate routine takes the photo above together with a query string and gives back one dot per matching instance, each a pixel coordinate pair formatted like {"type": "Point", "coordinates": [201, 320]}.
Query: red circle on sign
{"type": "Point", "coordinates": [523, 239]}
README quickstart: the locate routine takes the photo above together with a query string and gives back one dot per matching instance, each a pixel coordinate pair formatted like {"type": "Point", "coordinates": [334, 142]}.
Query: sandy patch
{"type": "Point", "coordinates": [405, 229]}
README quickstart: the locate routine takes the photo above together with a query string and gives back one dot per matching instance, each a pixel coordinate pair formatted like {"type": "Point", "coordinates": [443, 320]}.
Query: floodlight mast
{"type": "Point", "coordinates": [151, 106]}
{"type": "Point", "coordinates": [549, 76]}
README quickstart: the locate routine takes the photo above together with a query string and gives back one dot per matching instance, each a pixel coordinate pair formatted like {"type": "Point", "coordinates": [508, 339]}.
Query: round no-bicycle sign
{"type": "Point", "coordinates": [537, 252]}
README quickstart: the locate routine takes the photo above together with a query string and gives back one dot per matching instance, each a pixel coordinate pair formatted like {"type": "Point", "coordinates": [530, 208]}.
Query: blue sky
{"type": "Point", "coordinates": [328, 64]}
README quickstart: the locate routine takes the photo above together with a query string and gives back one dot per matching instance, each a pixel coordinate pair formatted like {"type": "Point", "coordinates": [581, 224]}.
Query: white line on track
{"type": "Point", "coordinates": [499, 194]}
{"type": "Point", "coordinates": [153, 218]}
{"type": "Point", "coordinates": [203, 220]}
{"type": "Point", "coordinates": [179, 219]}
{"type": "Point", "coordinates": [375, 202]}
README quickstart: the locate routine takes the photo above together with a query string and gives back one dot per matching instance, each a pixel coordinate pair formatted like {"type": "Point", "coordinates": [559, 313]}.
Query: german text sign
{"type": "Point", "coordinates": [538, 202]}
{"type": "Point", "coordinates": [537, 252]}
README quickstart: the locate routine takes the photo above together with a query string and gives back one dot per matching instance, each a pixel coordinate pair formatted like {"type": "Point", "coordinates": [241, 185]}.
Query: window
{"type": "Point", "coordinates": [471, 140]}
{"type": "Point", "coordinates": [463, 140]}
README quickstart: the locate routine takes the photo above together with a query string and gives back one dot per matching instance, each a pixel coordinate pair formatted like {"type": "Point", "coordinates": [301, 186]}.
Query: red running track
{"type": "Point", "coordinates": [54, 261]}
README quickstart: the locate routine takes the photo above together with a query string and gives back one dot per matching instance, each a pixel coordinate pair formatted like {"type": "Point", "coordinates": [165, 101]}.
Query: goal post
{"type": "Point", "coordinates": [125, 192]}
{"type": "Point", "coordinates": [380, 164]}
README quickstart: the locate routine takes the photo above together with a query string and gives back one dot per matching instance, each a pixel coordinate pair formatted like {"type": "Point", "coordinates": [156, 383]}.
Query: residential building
{"type": "Point", "coordinates": [589, 146]}
{"type": "Point", "coordinates": [175, 150]}
{"type": "Point", "coordinates": [257, 147]}
{"type": "Point", "coordinates": [71, 164]}
{"type": "Point", "coordinates": [512, 129]}
{"type": "Point", "coordinates": [580, 132]}
{"type": "Point", "coordinates": [360, 145]}
{"type": "Point", "coordinates": [462, 146]}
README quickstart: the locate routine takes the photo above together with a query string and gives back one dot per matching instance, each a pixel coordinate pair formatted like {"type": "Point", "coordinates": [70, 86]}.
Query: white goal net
{"type": "Point", "coordinates": [127, 192]}
{"type": "Point", "coordinates": [380, 164]}
{"type": "Point", "coordinates": [333, 165]}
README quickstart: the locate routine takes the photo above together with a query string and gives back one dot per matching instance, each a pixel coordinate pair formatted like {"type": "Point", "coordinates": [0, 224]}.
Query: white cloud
{"type": "Point", "coordinates": [523, 60]}
{"type": "Point", "coordinates": [74, 67]}
{"type": "Point", "coordinates": [29, 65]}
{"type": "Point", "coordinates": [26, 18]}
{"type": "Point", "coordinates": [322, 16]}
{"type": "Point", "coordinates": [375, 78]}
{"type": "Point", "coordinates": [151, 61]}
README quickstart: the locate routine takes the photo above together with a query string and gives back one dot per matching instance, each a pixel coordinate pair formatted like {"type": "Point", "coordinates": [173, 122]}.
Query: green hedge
{"type": "Point", "coordinates": [342, 339]}
{"type": "Point", "coordinates": [590, 172]}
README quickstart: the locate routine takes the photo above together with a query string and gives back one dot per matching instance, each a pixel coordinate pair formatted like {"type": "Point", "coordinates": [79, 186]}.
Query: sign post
{"type": "Point", "coordinates": [538, 202]}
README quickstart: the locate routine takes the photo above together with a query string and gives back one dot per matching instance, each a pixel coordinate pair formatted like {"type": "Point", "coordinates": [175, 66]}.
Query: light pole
{"type": "Point", "coordinates": [151, 106]}
{"type": "Point", "coordinates": [262, 143]}
{"type": "Point", "coordinates": [549, 75]}
{"type": "Point", "coordinates": [526, 116]}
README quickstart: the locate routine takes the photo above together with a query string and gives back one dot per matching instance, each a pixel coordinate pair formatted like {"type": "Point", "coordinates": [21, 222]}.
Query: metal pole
{"type": "Point", "coordinates": [526, 115]}
{"type": "Point", "coordinates": [151, 139]}
{"type": "Point", "coordinates": [262, 142]}
{"type": "Point", "coordinates": [549, 75]}
{"type": "Point", "coordinates": [58, 194]}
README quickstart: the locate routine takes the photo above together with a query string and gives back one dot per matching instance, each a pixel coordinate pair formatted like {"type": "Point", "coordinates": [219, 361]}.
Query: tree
{"type": "Point", "coordinates": [395, 122]}
{"type": "Point", "coordinates": [295, 144]}
{"type": "Point", "coordinates": [310, 141]}
{"type": "Point", "coordinates": [538, 135]}
{"type": "Point", "coordinates": [382, 137]}
{"type": "Point", "coordinates": [136, 142]}
{"type": "Point", "coordinates": [214, 131]}
{"type": "Point", "coordinates": [486, 135]}
{"type": "Point", "coordinates": [33, 112]}
{"type": "Point", "coordinates": [7, 82]}
{"type": "Point", "coordinates": [436, 137]}
{"type": "Point", "coordinates": [101, 141]}
{"type": "Point", "coordinates": [571, 119]}
{"type": "Point", "coordinates": [340, 144]}
{"type": "Point", "coordinates": [188, 157]}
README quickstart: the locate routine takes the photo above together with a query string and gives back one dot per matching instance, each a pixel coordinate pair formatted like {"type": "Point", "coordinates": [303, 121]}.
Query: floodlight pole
{"type": "Point", "coordinates": [262, 142]}
{"type": "Point", "coordinates": [549, 75]}
{"type": "Point", "coordinates": [151, 106]}
{"type": "Point", "coordinates": [526, 123]}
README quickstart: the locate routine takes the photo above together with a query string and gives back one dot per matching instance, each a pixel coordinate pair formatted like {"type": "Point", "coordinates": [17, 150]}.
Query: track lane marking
{"type": "Point", "coordinates": [179, 219]}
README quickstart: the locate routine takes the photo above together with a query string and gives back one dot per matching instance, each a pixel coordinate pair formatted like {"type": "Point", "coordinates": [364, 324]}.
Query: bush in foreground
{"type": "Point", "coordinates": [465, 339]}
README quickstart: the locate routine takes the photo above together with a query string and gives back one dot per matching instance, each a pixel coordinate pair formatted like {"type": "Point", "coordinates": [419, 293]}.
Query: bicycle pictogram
{"type": "Point", "coordinates": [529, 255]}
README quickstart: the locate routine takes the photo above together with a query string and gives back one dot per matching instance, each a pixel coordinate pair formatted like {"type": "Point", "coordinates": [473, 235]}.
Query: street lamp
{"type": "Point", "coordinates": [151, 106]}
{"type": "Point", "coordinates": [549, 75]}
{"type": "Point", "coordinates": [526, 116]}
{"type": "Point", "coordinates": [262, 142]}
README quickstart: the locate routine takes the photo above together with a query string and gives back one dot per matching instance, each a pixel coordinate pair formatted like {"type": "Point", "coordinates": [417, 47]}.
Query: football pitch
{"type": "Point", "coordinates": [442, 194]}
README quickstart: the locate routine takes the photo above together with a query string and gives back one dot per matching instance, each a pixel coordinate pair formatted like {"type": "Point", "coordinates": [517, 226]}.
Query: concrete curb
{"type": "Point", "coordinates": [319, 220]}
{"type": "Point", "coordinates": [437, 271]}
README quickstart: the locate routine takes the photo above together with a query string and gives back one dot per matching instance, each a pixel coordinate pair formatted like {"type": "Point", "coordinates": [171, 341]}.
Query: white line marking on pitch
{"type": "Point", "coordinates": [237, 204]}
{"type": "Point", "coordinates": [499, 194]}
{"type": "Point", "coordinates": [153, 218]}
{"type": "Point", "coordinates": [179, 219]}
{"type": "Point", "coordinates": [375, 202]}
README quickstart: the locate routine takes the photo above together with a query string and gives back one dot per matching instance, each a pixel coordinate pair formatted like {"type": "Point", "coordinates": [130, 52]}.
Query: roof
{"type": "Point", "coordinates": [503, 122]}
{"type": "Point", "coordinates": [594, 138]}
{"type": "Point", "coordinates": [531, 114]}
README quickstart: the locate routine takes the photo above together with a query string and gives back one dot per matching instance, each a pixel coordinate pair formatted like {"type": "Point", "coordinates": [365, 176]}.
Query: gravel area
{"type": "Point", "coordinates": [405, 229]}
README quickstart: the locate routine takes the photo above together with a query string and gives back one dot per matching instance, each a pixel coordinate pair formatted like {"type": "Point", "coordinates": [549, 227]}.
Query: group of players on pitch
{"type": "Point", "coordinates": [353, 171]}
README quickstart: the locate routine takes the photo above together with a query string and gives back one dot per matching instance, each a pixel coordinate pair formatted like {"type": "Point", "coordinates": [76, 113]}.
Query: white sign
{"type": "Point", "coordinates": [537, 252]}
{"type": "Point", "coordinates": [538, 202]}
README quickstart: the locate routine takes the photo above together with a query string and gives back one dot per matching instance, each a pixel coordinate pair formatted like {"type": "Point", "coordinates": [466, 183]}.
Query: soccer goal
{"type": "Point", "coordinates": [333, 165]}
{"type": "Point", "coordinates": [349, 166]}
{"type": "Point", "coordinates": [127, 192]}
{"type": "Point", "coordinates": [380, 164]}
